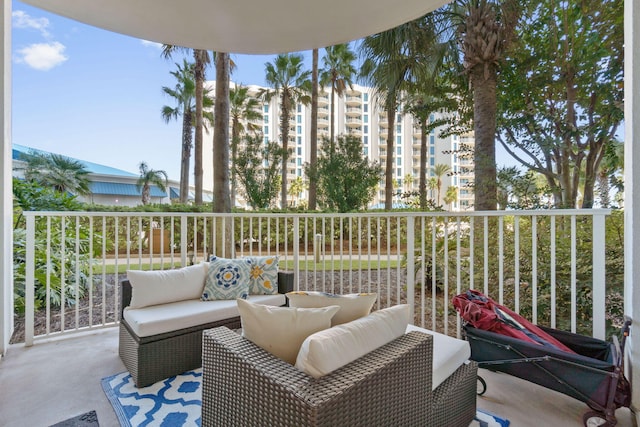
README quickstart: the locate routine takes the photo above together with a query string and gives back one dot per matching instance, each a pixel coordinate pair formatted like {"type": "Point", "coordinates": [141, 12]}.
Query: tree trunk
{"type": "Point", "coordinates": [332, 132]}
{"type": "Point", "coordinates": [197, 163]}
{"type": "Point", "coordinates": [221, 199]}
{"type": "Point", "coordinates": [388, 185]}
{"type": "Point", "coordinates": [313, 156]}
{"type": "Point", "coordinates": [186, 157]}
{"type": "Point", "coordinates": [235, 139]}
{"type": "Point", "coordinates": [483, 83]}
{"type": "Point", "coordinates": [284, 128]}
{"type": "Point", "coordinates": [423, 164]}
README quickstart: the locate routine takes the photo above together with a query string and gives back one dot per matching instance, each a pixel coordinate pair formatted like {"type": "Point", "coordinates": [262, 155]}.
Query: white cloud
{"type": "Point", "coordinates": [155, 45]}
{"type": "Point", "coordinates": [23, 20]}
{"type": "Point", "coordinates": [42, 56]}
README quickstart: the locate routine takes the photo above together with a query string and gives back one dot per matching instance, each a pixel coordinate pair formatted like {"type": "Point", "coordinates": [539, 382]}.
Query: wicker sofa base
{"type": "Point", "coordinates": [154, 358]}
{"type": "Point", "coordinates": [243, 385]}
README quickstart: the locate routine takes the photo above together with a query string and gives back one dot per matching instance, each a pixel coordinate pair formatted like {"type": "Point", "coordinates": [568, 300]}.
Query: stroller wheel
{"type": "Point", "coordinates": [595, 419]}
{"type": "Point", "coordinates": [481, 387]}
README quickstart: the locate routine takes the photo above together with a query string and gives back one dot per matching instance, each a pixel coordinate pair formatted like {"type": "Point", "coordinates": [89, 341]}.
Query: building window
{"type": "Point", "coordinates": [398, 118]}
{"type": "Point", "coordinates": [299, 129]}
{"type": "Point", "coordinates": [399, 172]}
{"type": "Point", "coordinates": [299, 161]}
{"type": "Point", "coordinates": [398, 128]}
{"type": "Point", "coordinates": [365, 97]}
{"type": "Point", "coordinates": [366, 151]}
{"type": "Point", "coordinates": [299, 140]}
{"type": "Point", "coordinates": [366, 128]}
{"type": "Point", "coordinates": [266, 140]}
{"type": "Point", "coordinates": [433, 162]}
{"type": "Point", "coordinates": [266, 108]}
{"type": "Point", "coordinates": [365, 140]}
{"type": "Point", "coordinates": [399, 161]}
{"type": "Point", "coordinates": [399, 151]}
{"type": "Point", "coordinates": [299, 118]}
{"type": "Point", "coordinates": [366, 106]}
{"type": "Point", "coordinates": [299, 108]}
{"type": "Point", "coordinates": [432, 139]}
{"type": "Point", "coordinates": [432, 151]}
{"type": "Point", "coordinates": [266, 118]}
{"type": "Point", "coordinates": [299, 151]}
{"type": "Point", "coordinates": [266, 129]}
{"type": "Point", "coordinates": [366, 118]}
{"type": "Point", "coordinates": [399, 140]}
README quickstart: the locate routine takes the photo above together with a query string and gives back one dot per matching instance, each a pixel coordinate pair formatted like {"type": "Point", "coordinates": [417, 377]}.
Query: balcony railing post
{"type": "Point", "coordinates": [183, 240]}
{"type": "Point", "coordinates": [29, 281]}
{"type": "Point", "coordinates": [411, 226]}
{"type": "Point", "coordinates": [599, 284]}
{"type": "Point", "coordinates": [296, 251]}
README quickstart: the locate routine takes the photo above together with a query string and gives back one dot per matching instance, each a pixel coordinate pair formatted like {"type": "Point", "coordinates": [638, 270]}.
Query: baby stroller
{"type": "Point", "coordinates": [585, 368]}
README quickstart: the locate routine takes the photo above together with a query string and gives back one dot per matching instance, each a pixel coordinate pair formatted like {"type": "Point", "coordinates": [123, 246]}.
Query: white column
{"type": "Point", "coordinates": [6, 199]}
{"type": "Point", "coordinates": [632, 184]}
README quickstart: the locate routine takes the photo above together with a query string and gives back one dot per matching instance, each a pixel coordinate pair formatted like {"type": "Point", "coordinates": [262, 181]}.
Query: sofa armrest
{"type": "Point", "coordinates": [390, 385]}
{"type": "Point", "coordinates": [125, 296]}
{"type": "Point", "coordinates": [285, 281]}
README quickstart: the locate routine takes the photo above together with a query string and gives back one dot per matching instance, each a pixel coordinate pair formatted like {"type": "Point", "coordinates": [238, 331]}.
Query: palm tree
{"type": "Point", "coordinates": [58, 172]}
{"type": "Point", "coordinates": [408, 181]}
{"type": "Point", "coordinates": [201, 60]}
{"type": "Point", "coordinates": [243, 109]}
{"type": "Point", "coordinates": [485, 30]}
{"type": "Point", "coordinates": [338, 72]}
{"type": "Point", "coordinates": [440, 170]}
{"type": "Point", "coordinates": [313, 136]}
{"type": "Point", "coordinates": [450, 196]}
{"type": "Point", "coordinates": [149, 177]}
{"type": "Point", "coordinates": [297, 186]}
{"type": "Point", "coordinates": [391, 59]}
{"type": "Point", "coordinates": [292, 85]}
{"type": "Point", "coordinates": [184, 96]}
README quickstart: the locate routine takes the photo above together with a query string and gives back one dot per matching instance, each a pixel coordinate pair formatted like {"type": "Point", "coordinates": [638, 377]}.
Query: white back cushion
{"type": "Point", "coordinates": [281, 330]}
{"type": "Point", "coordinates": [328, 350]}
{"type": "Point", "coordinates": [165, 286]}
{"type": "Point", "coordinates": [352, 306]}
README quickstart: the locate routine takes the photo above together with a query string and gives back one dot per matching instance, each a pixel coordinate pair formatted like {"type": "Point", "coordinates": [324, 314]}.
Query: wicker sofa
{"type": "Point", "coordinates": [243, 385]}
{"type": "Point", "coordinates": [152, 358]}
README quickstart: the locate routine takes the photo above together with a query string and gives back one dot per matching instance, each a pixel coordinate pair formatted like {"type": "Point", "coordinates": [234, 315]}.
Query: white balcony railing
{"type": "Point", "coordinates": [542, 264]}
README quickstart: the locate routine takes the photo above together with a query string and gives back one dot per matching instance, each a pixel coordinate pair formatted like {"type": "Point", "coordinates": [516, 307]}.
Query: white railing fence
{"type": "Point", "coordinates": [547, 265]}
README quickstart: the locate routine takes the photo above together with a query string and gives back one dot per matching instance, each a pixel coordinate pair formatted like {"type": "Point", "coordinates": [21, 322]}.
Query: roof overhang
{"type": "Point", "coordinates": [243, 26]}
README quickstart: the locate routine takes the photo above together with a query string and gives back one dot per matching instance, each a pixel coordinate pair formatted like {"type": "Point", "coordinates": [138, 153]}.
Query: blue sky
{"type": "Point", "coordinates": [97, 95]}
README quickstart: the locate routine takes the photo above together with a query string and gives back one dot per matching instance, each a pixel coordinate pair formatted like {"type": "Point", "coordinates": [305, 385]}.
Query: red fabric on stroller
{"type": "Point", "coordinates": [484, 313]}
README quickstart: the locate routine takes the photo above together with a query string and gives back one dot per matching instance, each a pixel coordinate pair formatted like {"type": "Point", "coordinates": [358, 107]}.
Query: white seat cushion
{"type": "Point", "coordinates": [158, 319]}
{"type": "Point", "coordinates": [352, 306]}
{"type": "Point", "coordinates": [449, 354]}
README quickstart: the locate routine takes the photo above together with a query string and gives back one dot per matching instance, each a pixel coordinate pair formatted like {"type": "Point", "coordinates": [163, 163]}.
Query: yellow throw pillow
{"type": "Point", "coordinates": [281, 330]}
{"type": "Point", "coordinates": [352, 306]}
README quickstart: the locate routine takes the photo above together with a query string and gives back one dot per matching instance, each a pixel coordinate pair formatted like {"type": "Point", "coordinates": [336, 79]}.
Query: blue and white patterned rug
{"type": "Point", "coordinates": [175, 402]}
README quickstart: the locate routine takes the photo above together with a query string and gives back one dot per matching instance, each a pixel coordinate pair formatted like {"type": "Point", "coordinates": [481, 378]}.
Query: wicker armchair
{"type": "Point", "coordinates": [243, 385]}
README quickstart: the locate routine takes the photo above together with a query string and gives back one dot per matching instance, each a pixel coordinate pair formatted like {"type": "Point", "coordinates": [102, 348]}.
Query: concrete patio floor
{"type": "Point", "coordinates": [59, 379]}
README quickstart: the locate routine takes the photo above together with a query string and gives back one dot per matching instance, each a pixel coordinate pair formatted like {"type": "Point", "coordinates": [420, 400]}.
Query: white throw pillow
{"type": "Point", "coordinates": [165, 286]}
{"type": "Point", "coordinates": [330, 349]}
{"type": "Point", "coordinates": [352, 306]}
{"type": "Point", "coordinates": [281, 330]}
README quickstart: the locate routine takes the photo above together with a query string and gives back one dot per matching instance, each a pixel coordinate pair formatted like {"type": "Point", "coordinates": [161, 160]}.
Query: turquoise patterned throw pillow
{"type": "Point", "coordinates": [263, 275]}
{"type": "Point", "coordinates": [226, 279]}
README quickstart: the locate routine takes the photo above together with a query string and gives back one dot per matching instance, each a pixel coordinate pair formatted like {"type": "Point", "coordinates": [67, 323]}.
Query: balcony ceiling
{"type": "Point", "coordinates": [243, 26]}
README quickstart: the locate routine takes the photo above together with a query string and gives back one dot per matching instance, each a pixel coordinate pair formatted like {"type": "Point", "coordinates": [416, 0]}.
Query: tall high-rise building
{"type": "Point", "coordinates": [359, 113]}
